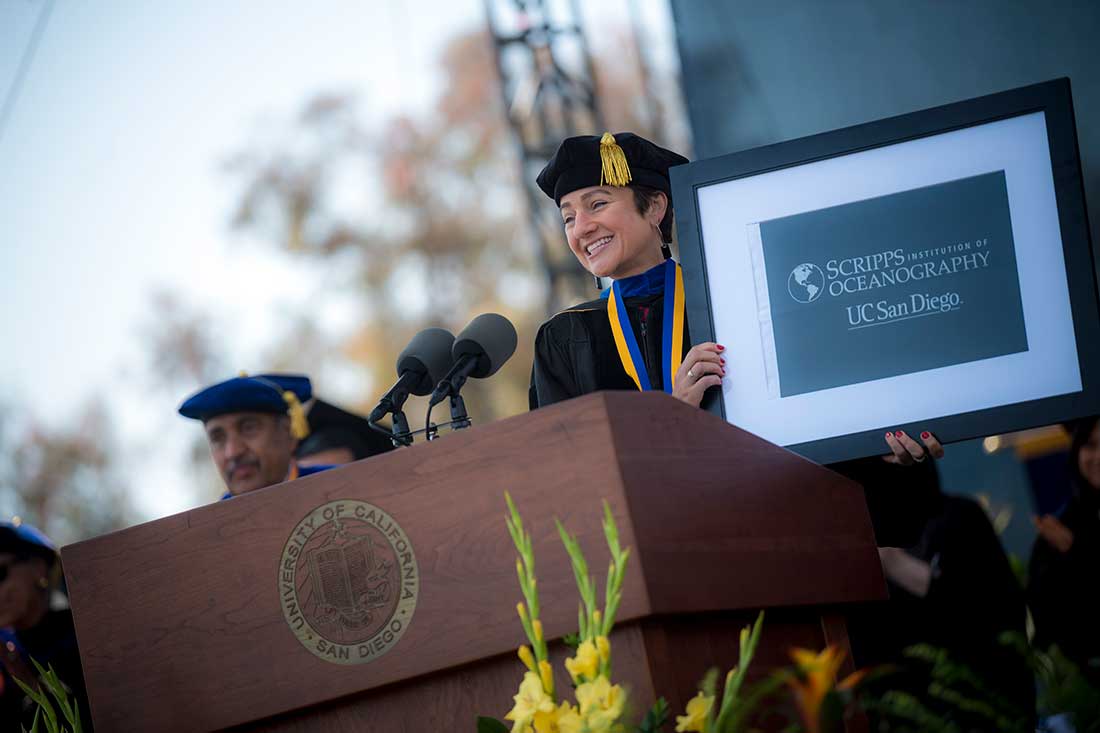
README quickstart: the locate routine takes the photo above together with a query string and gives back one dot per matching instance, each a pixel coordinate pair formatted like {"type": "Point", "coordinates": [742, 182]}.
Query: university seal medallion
{"type": "Point", "coordinates": [348, 582]}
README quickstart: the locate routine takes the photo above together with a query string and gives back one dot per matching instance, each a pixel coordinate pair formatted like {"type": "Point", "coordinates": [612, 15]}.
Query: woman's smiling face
{"type": "Point", "coordinates": [608, 235]}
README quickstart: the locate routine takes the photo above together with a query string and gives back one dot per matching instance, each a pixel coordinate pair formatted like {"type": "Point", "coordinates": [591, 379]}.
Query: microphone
{"type": "Point", "coordinates": [419, 367]}
{"type": "Point", "coordinates": [479, 351]}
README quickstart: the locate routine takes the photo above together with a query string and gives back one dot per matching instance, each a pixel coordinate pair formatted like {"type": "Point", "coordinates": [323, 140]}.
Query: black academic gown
{"type": "Point", "coordinates": [575, 351]}
{"type": "Point", "coordinates": [973, 599]}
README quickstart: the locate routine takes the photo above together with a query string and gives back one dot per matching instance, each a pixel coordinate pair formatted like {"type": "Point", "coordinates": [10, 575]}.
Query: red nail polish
{"type": "Point", "coordinates": [721, 347]}
{"type": "Point", "coordinates": [721, 360]}
{"type": "Point", "coordinates": [889, 435]}
{"type": "Point", "coordinates": [899, 433]}
{"type": "Point", "coordinates": [926, 435]}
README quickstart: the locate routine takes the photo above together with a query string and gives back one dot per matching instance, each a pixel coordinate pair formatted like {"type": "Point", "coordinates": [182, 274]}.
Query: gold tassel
{"type": "Point", "coordinates": [614, 170]}
{"type": "Point", "coordinates": [299, 426]}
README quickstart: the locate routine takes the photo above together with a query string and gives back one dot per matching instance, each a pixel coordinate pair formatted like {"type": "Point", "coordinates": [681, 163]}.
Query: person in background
{"type": "Point", "coordinates": [1064, 569]}
{"type": "Point", "coordinates": [253, 425]}
{"type": "Point", "coordinates": [30, 571]}
{"type": "Point", "coordinates": [337, 436]}
{"type": "Point", "coordinates": [951, 586]}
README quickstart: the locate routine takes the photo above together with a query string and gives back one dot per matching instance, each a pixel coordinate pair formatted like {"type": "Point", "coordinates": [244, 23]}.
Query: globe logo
{"type": "Point", "coordinates": [806, 283]}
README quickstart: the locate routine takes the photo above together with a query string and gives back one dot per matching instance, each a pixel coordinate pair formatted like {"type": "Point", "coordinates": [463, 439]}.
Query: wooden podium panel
{"type": "Point", "coordinates": [181, 623]}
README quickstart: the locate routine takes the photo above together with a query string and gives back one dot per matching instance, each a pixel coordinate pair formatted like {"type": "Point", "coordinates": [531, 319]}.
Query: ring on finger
{"type": "Point", "coordinates": [920, 458]}
{"type": "Point", "coordinates": [691, 374]}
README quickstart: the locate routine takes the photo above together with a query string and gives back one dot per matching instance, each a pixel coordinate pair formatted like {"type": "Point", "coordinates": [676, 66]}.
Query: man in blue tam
{"type": "Point", "coordinates": [253, 425]}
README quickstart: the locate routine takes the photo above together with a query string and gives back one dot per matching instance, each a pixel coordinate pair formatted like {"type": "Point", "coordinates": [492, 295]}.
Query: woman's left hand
{"type": "Point", "coordinates": [703, 367]}
{"type": "Point", "coordinates": [905, 451]}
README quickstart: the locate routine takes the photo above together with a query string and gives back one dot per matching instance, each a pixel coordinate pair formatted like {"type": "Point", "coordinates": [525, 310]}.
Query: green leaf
{"type": "Point", "coordinates": [490, 725]}
{"type": "Point", "coordinates": [655, 718]}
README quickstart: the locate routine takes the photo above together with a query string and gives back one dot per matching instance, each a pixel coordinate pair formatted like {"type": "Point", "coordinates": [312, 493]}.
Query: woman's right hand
{"type": "Point", "coordinates": [703, 367]}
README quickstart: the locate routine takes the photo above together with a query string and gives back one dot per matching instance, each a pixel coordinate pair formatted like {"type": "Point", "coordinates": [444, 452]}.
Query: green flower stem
{"type": "Point", "coordinates": [585, 584]}
{"type": "Point", "coordinates": [525, 572]}
{"type": "Point", "coordinates": [736, 676]}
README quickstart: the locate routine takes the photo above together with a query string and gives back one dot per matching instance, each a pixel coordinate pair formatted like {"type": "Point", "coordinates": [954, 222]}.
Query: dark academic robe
{"type": "Point", "coordinates": [51, 643]}
{"type": "Point", "coordinates": [974, 597]}
{"type": "Point", "coordinates": [1062, 586]}
{"type": "Point", "coordinates": [575, 351]}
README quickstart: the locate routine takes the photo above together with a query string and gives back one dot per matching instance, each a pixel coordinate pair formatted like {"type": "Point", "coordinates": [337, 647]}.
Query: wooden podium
{"type": "Point", "coordinates": [185, 623]}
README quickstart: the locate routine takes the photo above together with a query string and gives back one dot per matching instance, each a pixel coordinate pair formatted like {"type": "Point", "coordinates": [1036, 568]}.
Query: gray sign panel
{"type": "Point", "coordinates": [893, 285]}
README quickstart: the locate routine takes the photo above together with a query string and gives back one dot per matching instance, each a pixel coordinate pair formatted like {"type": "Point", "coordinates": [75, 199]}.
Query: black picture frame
{"type": "Point", "coordinates": [1054, 99]}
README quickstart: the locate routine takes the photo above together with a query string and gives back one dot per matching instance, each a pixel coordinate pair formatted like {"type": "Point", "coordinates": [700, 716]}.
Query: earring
{"type": "Point", "coordinates": [43, 582]}
{"type": "Point", "coordinates": [666, 250]}
{"type": "Point", "coordinates": [599, 284]}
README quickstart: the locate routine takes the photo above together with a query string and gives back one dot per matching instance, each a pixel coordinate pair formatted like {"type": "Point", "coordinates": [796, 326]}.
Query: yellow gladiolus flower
{"type": "Point", "coordinates": [817, 678]}
{"type": "Point", "coordinates": [527, 657]}
{"type": "Point", "coordinates": [698, 708]}
{"type": "Point", "coordinates": [585, 664]}
{"type": "Point", "coordinates": [600, 703]}
{"type": "Point", "coordinates": [603, 646]}
{"type": "Point", "coordinates": [562, 719]}
{"type": "Point", "coordinates": [522, 611]}
{"type": "Point", "coordinates": [530, 699]}
{"type": "Point", "coordinates": [536, 627]}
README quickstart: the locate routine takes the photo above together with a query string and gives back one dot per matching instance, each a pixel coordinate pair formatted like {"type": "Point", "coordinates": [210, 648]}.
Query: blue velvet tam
{"type": "Point", "coordinates": [19, 538]}
{"type": "Point", "coordinates": [259, 393]}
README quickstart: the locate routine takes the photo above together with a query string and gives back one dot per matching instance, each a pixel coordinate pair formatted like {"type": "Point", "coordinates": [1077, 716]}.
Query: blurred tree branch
{"type": "Point", "coordinates": [67, 481]}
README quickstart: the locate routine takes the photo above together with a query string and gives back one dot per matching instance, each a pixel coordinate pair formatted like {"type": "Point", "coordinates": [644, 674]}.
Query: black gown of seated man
{"type": "Point", "coordinates": [575, 351]}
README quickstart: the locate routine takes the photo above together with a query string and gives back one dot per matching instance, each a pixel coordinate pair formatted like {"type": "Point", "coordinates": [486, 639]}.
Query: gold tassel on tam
{"type": "Point", "coordinates": [614, 171]}
{"type": "Point", "coordinates": [299, 426]}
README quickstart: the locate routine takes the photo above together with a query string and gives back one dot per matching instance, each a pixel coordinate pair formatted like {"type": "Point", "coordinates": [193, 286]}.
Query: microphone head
{"type": "Point", "coordinates": [491, 339]}
{"type": "Point", "coordinates": [428, 356]}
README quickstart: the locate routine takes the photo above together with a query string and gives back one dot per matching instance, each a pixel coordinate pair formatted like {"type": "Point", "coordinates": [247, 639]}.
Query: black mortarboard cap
{"type": "Point", "coordinates": [332, 427]}
{"type": "Point", "coordinates": [614, 160]}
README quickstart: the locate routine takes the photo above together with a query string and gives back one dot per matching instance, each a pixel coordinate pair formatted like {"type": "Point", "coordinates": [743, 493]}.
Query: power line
{"type": "Point", "coordinates": [24, 65]}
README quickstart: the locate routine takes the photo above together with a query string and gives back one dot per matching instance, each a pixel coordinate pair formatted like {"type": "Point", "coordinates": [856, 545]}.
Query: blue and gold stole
{"type": "Point", "coordinates": [666, 278]}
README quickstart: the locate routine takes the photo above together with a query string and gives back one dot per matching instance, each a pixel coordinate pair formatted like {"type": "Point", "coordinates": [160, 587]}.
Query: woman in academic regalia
{"type": "Point", "coordinates": [614, 195]}
{"type": "Point", "coordinates": [30, 571]}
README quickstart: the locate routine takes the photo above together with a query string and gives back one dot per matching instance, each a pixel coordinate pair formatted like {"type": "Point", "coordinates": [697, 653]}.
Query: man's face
{"type": "Point", "coordinates": [21, 598]}
{"type": "Point", "coordinates": [251, 449]}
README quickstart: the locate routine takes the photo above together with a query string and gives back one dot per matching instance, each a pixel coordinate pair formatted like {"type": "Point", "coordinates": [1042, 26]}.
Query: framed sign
{"type": "Point", "coordinates": [926, 272]}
